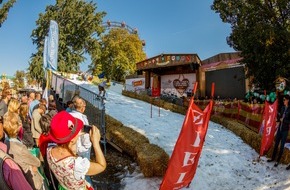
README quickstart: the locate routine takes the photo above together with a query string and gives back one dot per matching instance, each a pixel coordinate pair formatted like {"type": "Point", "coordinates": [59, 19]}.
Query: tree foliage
{"type": "Point", "coordinates": [261, 31]}
{"type": "Point", "coordinates": [19, 79]}
{"type": "Point", "coordinates": [4, 9]}
{"type": "Point", "coordinates": [4, 83]}
{"type": "Point", "coordinates": [121, 51]}
{"type": "Point", "coordinates": [35, 68]}
{"type": "Point", "coordinates": [78, 24]}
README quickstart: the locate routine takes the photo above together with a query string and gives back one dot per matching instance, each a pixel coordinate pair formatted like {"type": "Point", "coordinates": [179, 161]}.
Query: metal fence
{"type": "Point", "coordinates": [67, 89]}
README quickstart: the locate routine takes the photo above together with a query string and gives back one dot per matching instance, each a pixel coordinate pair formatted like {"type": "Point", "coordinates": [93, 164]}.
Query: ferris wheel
{"type": "Point", "coordinates": [113, 24]}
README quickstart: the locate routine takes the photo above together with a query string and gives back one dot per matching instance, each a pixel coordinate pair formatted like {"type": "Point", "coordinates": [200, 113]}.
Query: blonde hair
{"type": "Point", "coordinates": [13, 105]}
{"type": "Point", "coordinates": [23, 109]}
{"type": "Point", "coordinates": [11, 124]}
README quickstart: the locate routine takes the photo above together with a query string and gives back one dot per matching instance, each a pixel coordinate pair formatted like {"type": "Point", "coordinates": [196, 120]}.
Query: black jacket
{"type": "Point", "coordinates": [284, 125]}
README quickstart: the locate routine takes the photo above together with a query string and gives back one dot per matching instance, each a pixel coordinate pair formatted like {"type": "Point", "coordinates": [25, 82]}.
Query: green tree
{"type": "Point", "coordinates": [121, 50]}
{"type": "Point", "coordinates": [19, 79]}
{"type": "Point", "coordinates": [4, 9]}
{"type": "Point", "coordinates": [29, 79]}
{"type": "Point", "coordinates": [35, 69]}
{"type": "Point", "coordinates": [261, 31]}
{"type": "Point", "coordinates": [78, 24]}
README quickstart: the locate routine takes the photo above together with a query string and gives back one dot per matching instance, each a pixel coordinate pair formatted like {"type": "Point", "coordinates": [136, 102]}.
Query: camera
{"type": "Point", "coordinates": [87, 128]}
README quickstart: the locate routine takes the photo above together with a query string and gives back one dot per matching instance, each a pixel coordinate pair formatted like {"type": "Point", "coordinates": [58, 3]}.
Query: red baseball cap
{"type": "Point", "coordinates": [64, 127]}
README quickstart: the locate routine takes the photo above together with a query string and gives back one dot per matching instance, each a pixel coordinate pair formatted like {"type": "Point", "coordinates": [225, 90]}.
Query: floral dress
{"type": "Point", "coordinates": [70, 171]}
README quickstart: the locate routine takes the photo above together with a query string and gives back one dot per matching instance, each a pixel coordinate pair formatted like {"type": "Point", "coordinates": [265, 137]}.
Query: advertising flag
{"type": "Point", "coordinates": [268, 126]}
{"type": "Point", "coordinates": [52, 46]}
{"type": "Point", "coordinates": [184, 159]}
{"type": "Point", "coordinates": [45, 53]}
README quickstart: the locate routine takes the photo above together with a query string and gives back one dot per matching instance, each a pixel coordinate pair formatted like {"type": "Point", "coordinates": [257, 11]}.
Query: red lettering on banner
{"type": "Point", "coordinates": [189, 157]}
{"type": "Point", "coordinates": [184, 159]}
{"type": "Point", "coordinates": [268, 126]}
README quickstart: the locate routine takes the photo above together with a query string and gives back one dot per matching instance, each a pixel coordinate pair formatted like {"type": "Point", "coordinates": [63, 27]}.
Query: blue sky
{"type": "Point", "coordinates": [167, 26]}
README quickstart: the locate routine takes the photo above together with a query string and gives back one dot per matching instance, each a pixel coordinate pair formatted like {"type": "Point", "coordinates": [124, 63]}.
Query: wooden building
{"type": "Point", "coordinates": [228, 74]}
{"type": "Point", "coordinates": [173, 74]}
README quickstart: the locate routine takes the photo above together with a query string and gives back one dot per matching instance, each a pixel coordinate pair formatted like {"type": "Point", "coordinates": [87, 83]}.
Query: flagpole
{"type": "Point", "coordinates": [183, 162]}
{"type": "Point", "coordinates": [193, 95]}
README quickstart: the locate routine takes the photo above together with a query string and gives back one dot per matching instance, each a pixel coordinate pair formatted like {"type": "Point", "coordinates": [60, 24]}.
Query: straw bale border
{"type": "Point", "coordinates": [151, 158]}
{"type": "Point", "coordinates": [248, 136]}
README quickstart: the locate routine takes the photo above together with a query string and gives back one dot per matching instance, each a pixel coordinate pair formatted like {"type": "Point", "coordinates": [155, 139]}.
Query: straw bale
{"type": "Point", "coordinates": [161, 103]}
{"type": "Point", "coordinates": [168, 106]}
{"type": "Point", "coordinates": [238, 131]}
{"type": "Point", "coordinates": [256, 143]}
{"type": "Point", "coordinates": [112, 122]}
{"type": "Point", "coordinates": [286, 156]}
{"type": "Point", "coordinates": [246, 136]}
{"type": "Point", "coordinates": [235, 126]}
{"type": "Point", "coordinates": [126, 138]}
{"type": "Point", "coordinates": [152, 160]}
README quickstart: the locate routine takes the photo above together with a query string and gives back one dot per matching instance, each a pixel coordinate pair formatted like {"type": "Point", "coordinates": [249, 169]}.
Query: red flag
{"type": "Point", "coordinates": [184, 159]}
{"type": "Point", "coordinates": [268, 126]}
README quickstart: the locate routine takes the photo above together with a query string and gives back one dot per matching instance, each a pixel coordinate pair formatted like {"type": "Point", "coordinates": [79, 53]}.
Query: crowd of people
{"type": "Point", "coordinates": [43, 147]}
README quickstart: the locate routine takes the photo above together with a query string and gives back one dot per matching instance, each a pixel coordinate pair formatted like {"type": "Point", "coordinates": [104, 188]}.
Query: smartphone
{"type": "Point", "coordinates": [87, 128]}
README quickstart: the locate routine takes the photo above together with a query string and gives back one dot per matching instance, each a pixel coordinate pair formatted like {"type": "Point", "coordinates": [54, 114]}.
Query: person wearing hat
{"type": "Point", "coordinates": [283, 119]}
{"type": "Point", "coordinates": [69, 168]}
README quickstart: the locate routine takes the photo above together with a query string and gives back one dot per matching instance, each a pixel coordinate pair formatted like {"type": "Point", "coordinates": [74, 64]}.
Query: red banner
{"type": "Point", "coordinates": [184, 159]}
{"type": "Point", "coordinates": [268, 126]}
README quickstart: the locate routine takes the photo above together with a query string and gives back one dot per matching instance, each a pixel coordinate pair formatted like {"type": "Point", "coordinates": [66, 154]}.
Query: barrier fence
{"type": "Point", "coordinates": [66, 90]}
{"type": "Point", "coordinates": [250, 115]}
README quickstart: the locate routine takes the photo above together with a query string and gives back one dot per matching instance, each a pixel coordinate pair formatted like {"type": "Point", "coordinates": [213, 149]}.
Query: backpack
{"type": "Point", "coordinates": [3, 157]}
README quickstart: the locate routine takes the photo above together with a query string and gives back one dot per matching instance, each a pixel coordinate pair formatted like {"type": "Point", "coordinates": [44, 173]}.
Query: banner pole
{"type": "Point", "coordinates": [194, 89]}
{"type": "Point", "coordinates": [151, 110]}
{"type": "Point", "coordinates": [159, 107]}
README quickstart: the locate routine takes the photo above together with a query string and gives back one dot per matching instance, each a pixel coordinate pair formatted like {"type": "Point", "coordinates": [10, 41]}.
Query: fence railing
{"type": "Point", "coordinates": [250, 115]}
{"type": "Point", "coordinates": [67, 89]}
